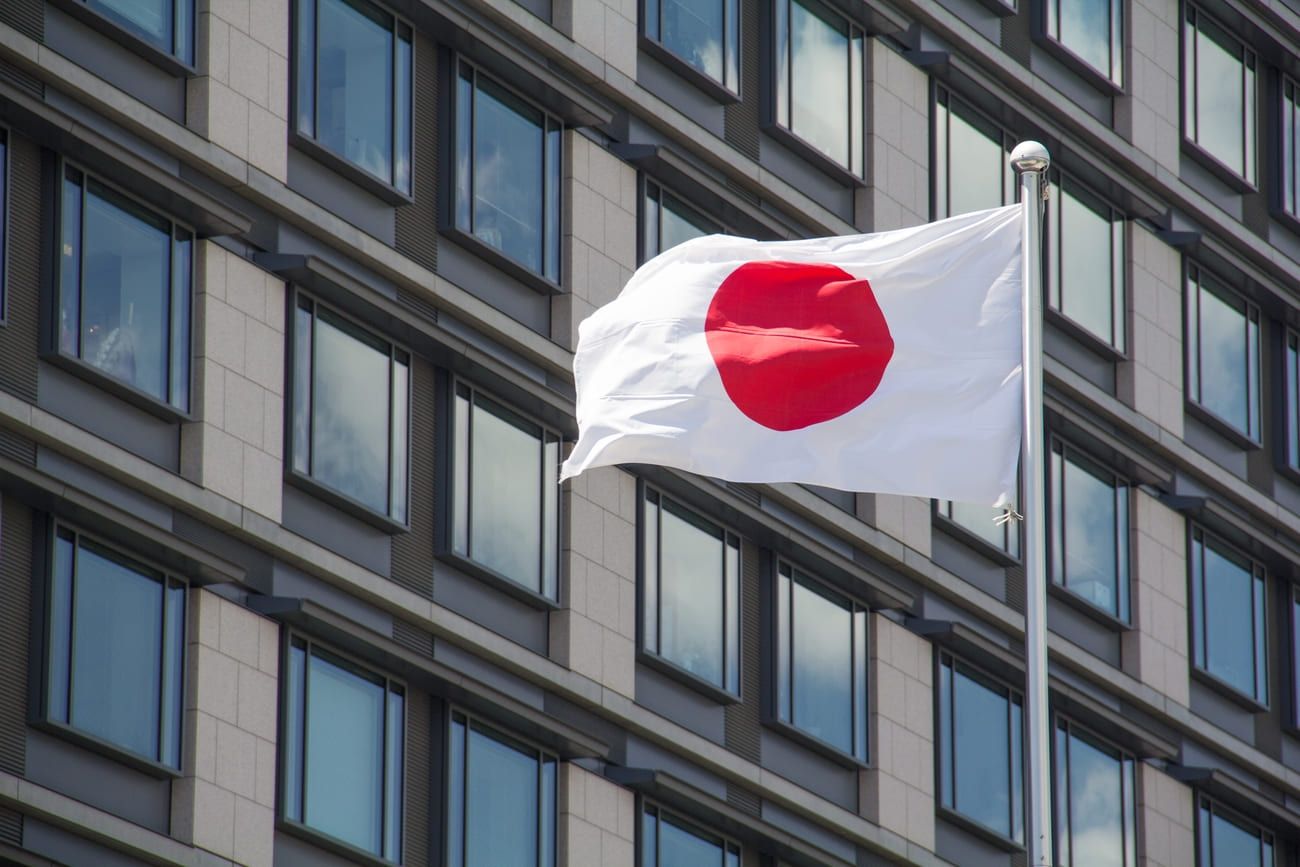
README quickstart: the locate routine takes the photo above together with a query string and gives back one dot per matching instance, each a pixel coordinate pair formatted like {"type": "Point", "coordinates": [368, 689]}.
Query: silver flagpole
{"type": "Point", "coordinates": [1031, 160]}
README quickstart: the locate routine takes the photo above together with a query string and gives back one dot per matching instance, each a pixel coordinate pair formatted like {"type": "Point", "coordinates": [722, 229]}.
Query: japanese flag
{"type": "Point", "coordinates": [887, 363]}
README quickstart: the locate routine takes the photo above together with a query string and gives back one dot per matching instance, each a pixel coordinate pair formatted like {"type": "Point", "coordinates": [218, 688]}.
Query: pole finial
{"type": "Point", "coordinates": [1030, 156]}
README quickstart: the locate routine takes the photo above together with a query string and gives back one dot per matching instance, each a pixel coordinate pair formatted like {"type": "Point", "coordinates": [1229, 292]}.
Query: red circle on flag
{"type": "Point", "coordinates": [797, 344]}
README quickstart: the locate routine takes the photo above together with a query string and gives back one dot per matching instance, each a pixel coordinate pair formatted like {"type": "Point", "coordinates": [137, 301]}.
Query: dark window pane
{"type": "Point", "coordinates": [1223, 358]}
{"type": "Point", "coordinates": [505, 521]}
{"type": "Point", "coordinates": [508, 181]}
{"type": "Point", "coordinates": [1229, 613]}
{"type": "Point", "coordinates": [693, 29]}
{"type": "Point", "coordinates": [61, 626]}
{"type": "Point", "coordinates": [981, 751]}
{"type": "Point", "coordinates": [70, 265]}
{"type": "Point", "coordinates": [679, 847]}
{"type": "Point", "coordinates": [823, 667]}
{"type": "Point", "coordinates": [1091, 534]}
{"type": "Point", "coordinates": [302, 386]}
{"type": "Point", "coordinates": [819, 81]}
{"type": "Point", "coordinates": [403, 107]}
{"type": "Point", "coordinates": [165, 24]}
{"type": "Point", "coordinates": [354, 99]}
{"type": "Point", "coordinates": [182, 269]}
{"type": "Point", "coordinates": [305, 86]}
{"type": "Point", "coordinates": [295, 699]}
{"type": "Point", "coordinates": [1096, 805]}
{"type": "Point", "coordinates": [1233, 844]}
{"type": "Point", "coordinates": [691, 597]}
{"type": "Point", "coordinates": [1291, 147]}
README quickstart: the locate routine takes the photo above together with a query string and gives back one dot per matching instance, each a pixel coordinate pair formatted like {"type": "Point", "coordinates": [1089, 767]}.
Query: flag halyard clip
{"type": "Point", "coordinates": [1008, 516]}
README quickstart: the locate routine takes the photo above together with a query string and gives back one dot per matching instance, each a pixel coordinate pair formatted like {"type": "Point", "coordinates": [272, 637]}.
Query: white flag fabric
{"type": "Point", "coordinates": [886, 363]}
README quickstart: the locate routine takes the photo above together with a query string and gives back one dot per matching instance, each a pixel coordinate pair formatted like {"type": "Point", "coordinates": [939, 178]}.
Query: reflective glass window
{"type": "Point", "coordinates": [668, 841]}
{"type": "Point", "coordinates": [505, 492]}
{"type": "Point", "coordinates": [818, 79]}
{"type": "Point", "coordinates": [1092, 30]}
{"type": "Point", "coordinates": [1096, 801]}
{"type": "Point", "coordinates": [1219, 93]}
{"type": "Point", "coordinates": [1290, 123]}
{"type": "Point", "coordinates": [167, 25]}
{"type": "Point", "coordinates": [985, 523]}
{"type": "Point", "coordinates": [821, 652]}
{"type": "Point", "coordinates": [125, 278]}
{"type": "Point", "coordinates": [703, 33]}
{"type": "Point", "coordinates": [351, 397]}
{"type": "Point", "coordinates": [502, 806]}
{"type": "Point", "coordinates": [1088, 535]}
{"type": "Point", "coordinates": [1225, 839]}
{"type": "Point", "coordinates": [690, 592]}
{"type": "Point", "coordinates": [667, 221]}
{"type": "Point", "coordinates": [507, 173]}
{"type": "Point", "coordinates": [1085, 268]}
{"type": "Point", "coordinates": [344, 737]}
{"type": "Point", "coordinates": [970, 153]}
{"type": "Point", "coordinates": [1223, 353]}
{"type": "Point", "coordinates": [352, 88]}
{"type": "Point", "coordinates": [981, 749]}
{"type": "Point", "coordinates": [1229, 623]}
{"type": "Point", "coordinates": [116, 654]}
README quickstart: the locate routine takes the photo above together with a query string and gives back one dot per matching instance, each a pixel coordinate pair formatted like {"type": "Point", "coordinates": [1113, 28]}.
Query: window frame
{"type": "Point", "coordinates": [1112, 80]}
{"type": "Point", "coordinates": [645, 185]}
{"type": "Point", "coordinates": [359, 668]}
{"type": "Point", "coordinates": [6, 179]}
{"type": "Point", "coordinates": [1123, 615]}
{"type": "Point", "coordinates": [1210, 806]}
{"type": "Point", "coordinates": [1288, 453]}
{"type": "Point", "coordinates": [1259, 576]}
{"type": "Point", "coordinates": [782, 655]}
{"type": "Point", "coordinates": [1063, 729]}
{"type": "Point", "coordinates": [942, 97]}
{"type": "Point", "coordinates": [731, 850]}
{"type": "Point", "coordinates": [725, 90]}
{"type": "Point", "coordinates": [54, 351]}
{"type": "Point", "coordinates": [387, 189]}
{"type": "Point", "coordinates": [489, 729]}
{"type": "Point", "coordinates": [780, 123]}
{"type": "Point", "coordinates": [1014, 699]}
{"type": "Point", "coordinates": [305, 480]}
{"type": "Point", "coordinates": [143, 566]}
{"type": "Point", "coordinates": [732, 626]}
{"type": "Point", "coordinates": [1248, 181]}
{"type": "Point", "coordinates": [550, 234]}
{"type": "Point", "coordinates": [1197, 278]}
{"type": "Point", "coordinates": [451, 499]}
{"type": "Point", "coordinates": [1286, 201]}
{"type": "Point", "coordinates": [106, 23]}
{"type": "Point", "coordinates": [1117, 346]}
{"type": "Point", "coordinates": [941, 515]}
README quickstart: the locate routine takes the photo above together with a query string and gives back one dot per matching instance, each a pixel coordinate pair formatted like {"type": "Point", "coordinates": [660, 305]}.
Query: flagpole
{"type": "Point", "coordinates": [1031, 160]}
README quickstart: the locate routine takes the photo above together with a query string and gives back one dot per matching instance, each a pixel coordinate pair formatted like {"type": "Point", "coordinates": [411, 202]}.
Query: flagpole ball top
{"type": "Point", "coordinates": [1030, 156]}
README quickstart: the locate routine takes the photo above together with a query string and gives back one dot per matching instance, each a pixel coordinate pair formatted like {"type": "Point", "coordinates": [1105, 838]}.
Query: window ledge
{"type": "Point", "coordinates": [110, 750]}
{"type": "Point", "coordinates": [681, 67]}
{"type": "Point", "coordinates": [501, 582]}
{"type": "Point", "coordinates": [1221, 426]}
{"type": "Point", "coordinates": [117, 388]}
{"type": "Point", "coordinates": [101, 23]}
{"type": "Point", "coordinates": [971, 540]}
{"type": "Point", "coordinates": [515, 269]}
{"type": "Point", "coordinates": [343, 502]}
{"type": "Point", "coordinates": [1228, 691]}
{"type": "Point", "coordinates": [1218, 168]}
{"type": "Point", "coordinates": [816, 744]}
{"type": "Point", "coordinates": [982, 831]}
{"type": "Point", "coordinates": [1082, 335]}
{"type": "Point", "coordinates": [1076, 64]}
{"type": "Point", "coordinates": [1083, 606]}
{"type": "Point", "coordinates": [686, 678]}
{"type": "Point", "coordinates": [814, 155]}
{"type": "Point", "coordinates": [325, 841]}
{"type": "Point", "coordinates": [351, 171]}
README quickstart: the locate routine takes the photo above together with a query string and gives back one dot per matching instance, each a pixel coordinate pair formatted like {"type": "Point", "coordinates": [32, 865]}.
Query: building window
{"type": "Point", "coordinates": [4, 224]}
{"type": "Point", "coordinates": [1085, 236]}
{"type": "Point", "coordinates": [125, 277]}
{"type": "Point", "coordinates": [351, 394]}
{"type": "Point", "coordinates": [167, 25]}
{"type": "Point", "coordinates": [821, 662]}
{"type": "Point", "coordinates": [344, 736]}
{"type": "Point", "coordinates": [667, 841]}
{"type": "Point", "coordinates": [690, 603]}
{"type": "Point", "coordinates": [1096, 801]}
{"type": "Point", "coordinates": [1224, 839]}
{"type": "Point", "coordinates": [1223, 353]}
{"type": "Point", "coordinates": [970, 159]}
{"type": "Point", "coordinates": [1088, 535]}
{"type": "Point", "coordinates": [506, 514]}
{"type": "Point", "coordinates": [981, 747]}
{"type": "Point", "coordinates": [818, 80]}
{"type": "Point", "coordinates": [507, 173]}
{"type": "Point", "coordinates": [704, 35]}
{"type": "Point", "coordinates": [1295, 656]}
{"type": "Point", "coordinates": [1229, 626]}
{"type": "Point", "coordinates": [667, 221]}
{"type": "Point", "coordinates": [1290, 146]}
{"type": "Point", "coordinates": [1292, 386]}
{"type": "Point", "coordinates": [352, 85]}
{"type": "Point", "coordinates": [1219, 94]}
{"type": "Point", "coordinates": [1093, 32]}
{"type": "Point", "coordinates": [984, 523]}
{"type": "Point", "coordinates": [116, 655]}
{"type": "Point", "coordinates": [502, 809]}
